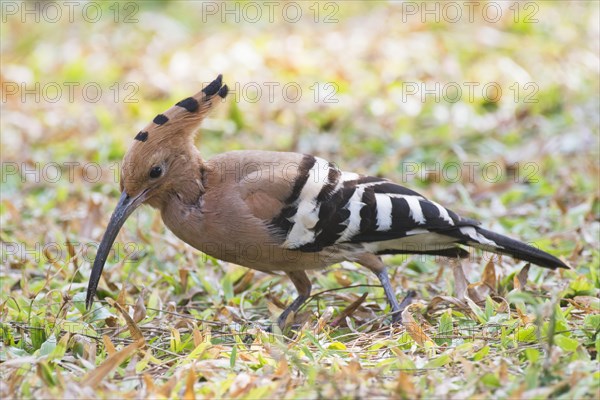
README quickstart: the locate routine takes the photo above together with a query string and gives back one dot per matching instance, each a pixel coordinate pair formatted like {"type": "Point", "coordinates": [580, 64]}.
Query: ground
{"type": "Point", "coordinates": [490, 109]}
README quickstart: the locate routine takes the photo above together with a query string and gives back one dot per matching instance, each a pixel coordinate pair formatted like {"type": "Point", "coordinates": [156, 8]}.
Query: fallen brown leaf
{"type": "Point", "coordinates": [460, 280]}
{"type": "Point", "coordinates": [189, 385]}
{"type": "Point", "coordinates": [520, 280]}
{"type": "Point", "coordinates": [244, 282]}
{"type": "Point", "coordinates": [478, 292]}
{"type": "Point", "coordinates": [197, 337]}
{"type": "Point", "coordinates": [166, 389]}
{"type": "Point", "coordinates": [503, 371]}
{"type": "Point", "coordinates": [489, 276]}
{"type": "Point", "coordinates": [283, 370]}
{"type": "Point", "coordinates": [14, 381]}
{"type": "Point", "coordinates": [413, 328]}
{"type": "Point", "coordinates": [121, 298]}
{"type": "Point", "coordinates": [341, 278]}
{"type": "Point", "coordinates": [404, 386]}
{"type": "Point", "coordinates": [587, 303]}
{"type": "Point", "coordinates": [135, 331]}
{"type": "Point", "coordinates": [139, 311]}
{"type": "Point", "coordinates": [96, 376]}
{"type": "Point", "coordinates": [183, 277]}
{"type": "Point", "coordinates": [348, 310]}
{"type": "Point", "coordinates": [72, 254]}
{"type": "Point", "coordinates": [324, 318]}
{"type": "Point", "coordinates": [88, 347]}
{"type": "Point", "coordinates": [149, 382]}
{"type": "Point", "coordinates": [108, 345]}
{"type": "Point", "coordinates": [242, 383]}
{"type": "Point", "coordinates": [111, 321]}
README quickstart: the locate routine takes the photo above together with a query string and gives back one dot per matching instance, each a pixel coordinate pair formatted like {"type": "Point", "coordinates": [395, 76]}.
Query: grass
{"type": "Point", "coordinates": [174, 323]}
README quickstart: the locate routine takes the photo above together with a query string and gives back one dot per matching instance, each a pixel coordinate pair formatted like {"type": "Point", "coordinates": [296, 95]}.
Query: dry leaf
{"type": "Point", "coordinates": [149, 382]}
{"type": "Point", "coordinates": [246, 357]}
{"type": "Point", "coordinates": [136, 334]}
{"type": "Point", "coordinates": [576, 251]}
{"type": "Point", "coordinates": [274, 309]}
{"type": "Point", "coordinates": [108, 345]}
{"type": "Point", "coordinates": [183, 277]}
{"type": "Point", "coordinates": [353, 367]}
{"type": "Point", "coordinates": [52, 258]}
{"type": "Point", "coordinates": [503, 371]}
{"type": "Point", "coordinates": [478, 291]}
{"type": "Point", "coordinates": [111, 321]}
{"type": "Point", "coordinates": [590, 304]}
{"type": "Point", "coordinates": [197, 337]}
{"type": "Point", "coordinates": [139, 312]}
{"type": "Point", "coordinates": [439, 274]}
{"type": "Point", "coordinates": [72, 255]}
{"type": "Point", "coordinates": [405, 387]}
{"type": "Point", "coordinates": [283, 370]}
{"type": "Point", "coordinates": [14, 381]}
{"type": "Point", "coordinates": [94, 377]}
{"type": "Point", "coordinates": [324, 318]}
{"type": "Point", "coordinates": [348, 310]}
{"type": "Point", "coordinates": [171, 307]}
{"type": "Point", "coordinates": [520, 280]}
{"type": "Point", "coordinates": [460, 280]}
{"type": "Point", "coordinates": [275, 300]}
{"type": "Point", "coordinates": [489, 276]}
{"type": "Point", "coordinates": [88, 346]}
{"type": "Point", "coordinates": [242, 383]}
{"type": "Point", "coordinates": [439, 300]}
{"type": "Point", "coordinates": [244, 283]}
{"type": "Point", "coordinates": [502, 305]}
{"type": "Point", "coordinates": [341, 278]}
{"type": "Point", "coordinates": [166, 389]}
{"type": "Point", "coordinates": [121, 298]}
{"type": "Point", "coordinates": [467, 365]}
{"type": "Point", "coordinates": [526, 319]}
{"type": "Point", "coordinates": [189, 385]}
{"type": "Point", "coordinates": [413, 328]}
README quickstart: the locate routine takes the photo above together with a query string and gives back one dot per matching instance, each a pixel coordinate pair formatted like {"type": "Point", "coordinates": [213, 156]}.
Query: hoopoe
{"type": "Point", "coordinates": [277, 211]}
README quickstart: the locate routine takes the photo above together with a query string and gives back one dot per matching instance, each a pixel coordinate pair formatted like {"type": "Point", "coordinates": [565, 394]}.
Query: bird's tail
{"type": "Point", "coordinates": [500, 244]}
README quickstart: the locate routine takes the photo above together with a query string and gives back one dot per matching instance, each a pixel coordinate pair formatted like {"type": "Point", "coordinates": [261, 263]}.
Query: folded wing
{"type": "Point", "coordinates": [328, 207]}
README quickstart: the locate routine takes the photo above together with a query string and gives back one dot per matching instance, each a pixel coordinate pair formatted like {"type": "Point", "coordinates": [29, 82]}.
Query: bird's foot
{"type": "Point", "coordinates": [397, 318]}
{"type": "Point", "coordinates": [397, 314]}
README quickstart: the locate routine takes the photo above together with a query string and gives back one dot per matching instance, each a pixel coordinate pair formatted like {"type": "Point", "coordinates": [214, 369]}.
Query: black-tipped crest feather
{"type": "Point", "coordinates": [214, 86]}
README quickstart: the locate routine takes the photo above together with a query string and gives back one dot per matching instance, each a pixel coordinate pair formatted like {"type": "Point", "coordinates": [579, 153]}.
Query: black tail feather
{"type": "Point", "coordinates": [518, 250]}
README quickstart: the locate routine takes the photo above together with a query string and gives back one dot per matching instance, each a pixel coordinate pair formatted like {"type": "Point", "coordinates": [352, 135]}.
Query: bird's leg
{"type": "Point", "coordinates": [375, 264]}
{"type": "Point", "coordinates": [389, 293]}
{"type": "Point", "coordinates": [303, 286]}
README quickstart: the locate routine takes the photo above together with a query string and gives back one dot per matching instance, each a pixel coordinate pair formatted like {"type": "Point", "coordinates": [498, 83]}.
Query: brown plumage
{"type": "Point", "coordinates": [290, 212]}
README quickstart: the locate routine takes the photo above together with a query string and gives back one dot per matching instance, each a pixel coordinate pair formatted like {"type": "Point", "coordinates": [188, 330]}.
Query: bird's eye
{"type": "Point", "coordinates": [155, 172]}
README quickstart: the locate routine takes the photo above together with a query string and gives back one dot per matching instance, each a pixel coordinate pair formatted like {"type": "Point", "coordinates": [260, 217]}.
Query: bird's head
{"type": "Point", "coordinates": [161, 162]}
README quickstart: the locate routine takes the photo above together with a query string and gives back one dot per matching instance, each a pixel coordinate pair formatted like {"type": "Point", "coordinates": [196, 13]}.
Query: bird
{"type": "Point", "coordinates": [284, 211]}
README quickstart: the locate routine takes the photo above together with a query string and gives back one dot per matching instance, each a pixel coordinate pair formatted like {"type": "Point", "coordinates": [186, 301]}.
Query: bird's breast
{"type": "Point", "coordinates": [231, 234]}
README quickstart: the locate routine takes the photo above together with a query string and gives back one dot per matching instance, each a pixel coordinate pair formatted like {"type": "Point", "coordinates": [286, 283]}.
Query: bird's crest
{"type": "Point", "coordinates": [185, 116]}
{"type": "Point", "coordinates": [167, 143]}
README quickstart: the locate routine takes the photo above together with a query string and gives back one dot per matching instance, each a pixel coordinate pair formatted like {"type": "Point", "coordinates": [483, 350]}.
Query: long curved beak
{"type": "Point", "coordinates": [123, 210]}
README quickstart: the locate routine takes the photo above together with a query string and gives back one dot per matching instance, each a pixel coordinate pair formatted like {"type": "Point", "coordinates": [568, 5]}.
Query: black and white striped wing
{"type": "Point", "coordinates": [330, 207]}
